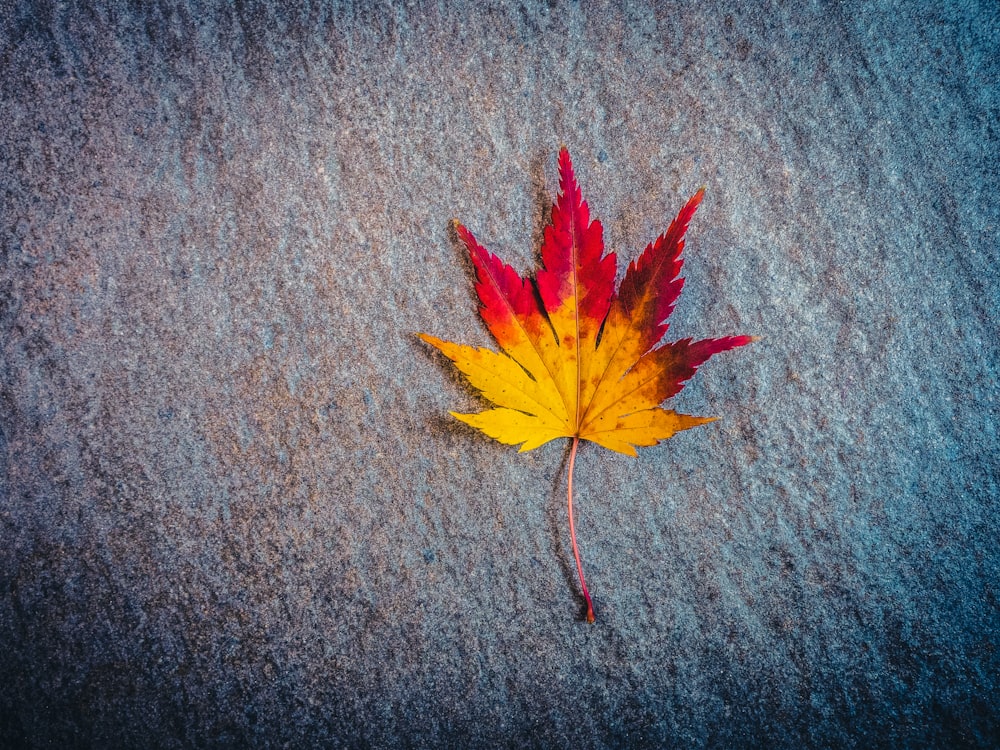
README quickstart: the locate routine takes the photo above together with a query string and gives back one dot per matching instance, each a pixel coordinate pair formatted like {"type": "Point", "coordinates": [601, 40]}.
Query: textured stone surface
{"type": "Point", "coordinates": [234, 511]}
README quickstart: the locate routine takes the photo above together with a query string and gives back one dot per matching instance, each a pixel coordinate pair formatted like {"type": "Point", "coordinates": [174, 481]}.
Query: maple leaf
{"type": "Point", "coordinates": [579, 359]}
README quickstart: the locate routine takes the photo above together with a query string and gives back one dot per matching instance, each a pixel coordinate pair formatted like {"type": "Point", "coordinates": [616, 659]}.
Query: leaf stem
{"type": "Point", "coordinates": [572, 531]}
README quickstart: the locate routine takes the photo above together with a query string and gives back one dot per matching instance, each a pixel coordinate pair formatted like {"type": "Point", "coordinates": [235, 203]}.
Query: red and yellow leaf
{"type": "Point", "coordinates": [578, 359]}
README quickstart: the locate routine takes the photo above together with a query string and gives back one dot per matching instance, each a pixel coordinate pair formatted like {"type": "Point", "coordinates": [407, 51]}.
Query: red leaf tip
{"type": "Point", "coordinates": [567, 179]}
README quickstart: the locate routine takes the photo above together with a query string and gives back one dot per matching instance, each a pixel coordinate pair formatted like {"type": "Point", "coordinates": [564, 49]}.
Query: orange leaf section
{"type": "Point", "coordinates": [578, 359]}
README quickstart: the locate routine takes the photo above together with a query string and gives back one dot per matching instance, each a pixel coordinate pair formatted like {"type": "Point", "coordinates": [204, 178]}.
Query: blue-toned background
{"type": "Point", "coordinates": [233, 509]}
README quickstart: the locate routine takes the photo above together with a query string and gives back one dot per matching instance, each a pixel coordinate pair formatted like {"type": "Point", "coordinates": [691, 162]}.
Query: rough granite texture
{"type": "Point", "coordinates": [234, 511]}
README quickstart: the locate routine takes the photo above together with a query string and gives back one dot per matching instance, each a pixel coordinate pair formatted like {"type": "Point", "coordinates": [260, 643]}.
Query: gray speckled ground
{"type": "Point", "coordinates": [234, 511]}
